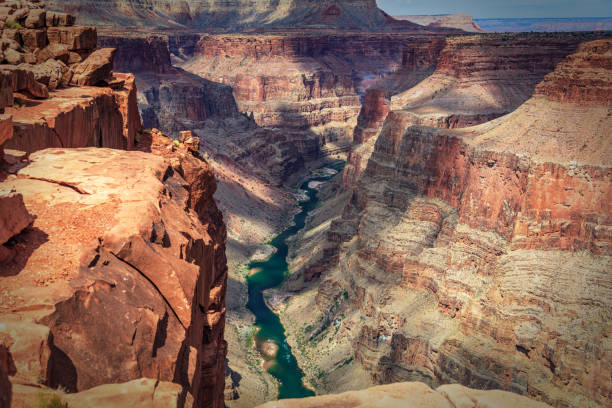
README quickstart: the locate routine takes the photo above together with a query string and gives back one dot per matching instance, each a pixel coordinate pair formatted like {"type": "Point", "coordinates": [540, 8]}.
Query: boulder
{"type": "Point", "coordinates": [29, 58]}
{"type": "Point", "coordinates": [10, 44]}
{"type": "Point", "coordinates": [11, 34]}
{"type": "Point", "coordinates": [18, 15]}
{"type": "Point", "coordinates": [55, 19]}
{"type": "Point", "coordinates": [51, 73]}
{"type": "Point", "coordinates": [33, 38]}
{"type": "Point", "coordinates": [184, 135]}
{"type": "Point", "coordinates": [4, 13]}
{"type": "Point", "coordinates": [36, 18]}
{"type": "Point", "coordinates": [13, 57]}
{"type": "Point", "coordinates": [14, 216]}
{"type": "Point", "coordinates": [95, 69]}
{"type": "Point", "coordinates": [23, 79]}
{"type": "Point", "coordinates": [74, 58]}
{"type": "Point", "coordinates": [53, 51]}
{"type": "Point", "coordinates": [76, 38]}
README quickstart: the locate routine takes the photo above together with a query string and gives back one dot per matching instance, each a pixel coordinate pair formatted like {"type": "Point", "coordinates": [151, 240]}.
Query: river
{"type": "Point", "coordinates": [271, 273]}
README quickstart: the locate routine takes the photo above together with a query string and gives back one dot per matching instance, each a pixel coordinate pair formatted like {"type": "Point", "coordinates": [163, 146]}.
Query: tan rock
{"type": "Point", "coordinates": [13, 57]}
{"type": "Point", "coordinates": [29, 58]}
{"type": "Point", "coordinates": [412, 395]}
{"type": "Point", "coordinates": [53, 51]}
{"type": "Point", "coordinates": [33, 38]}
{"type": "Point", "coordinates": [74, 58]}
{"type": "Point", "coordinates": [91, 274]}
{"type": "Point", "coordinates": [55, 19]}
{"type": "Point", "coordinates": [36, 18]}
{"type": "Point", "coordinates": [23, 79]}
{"type": "Point", "coordinates": [14, 216]}
{"type": "Point", "coordinates": [76, 38]}
{"type": "Point", "coordinates": [12, 34]}
{"type": "Point", "coordinates": [96, 69]}
{"type": "Point", "coordinates": [142, 393]}
{"type": "Point", "coordinates": [52, 73]}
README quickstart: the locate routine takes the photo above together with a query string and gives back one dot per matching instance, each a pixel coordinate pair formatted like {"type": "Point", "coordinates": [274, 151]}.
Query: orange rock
{"type": "Point", "coordinates": [120, 297]}
{"type": "Point", "coordinates": [96, 68]}
{"type": "Point", "coordinates": [412, 395]}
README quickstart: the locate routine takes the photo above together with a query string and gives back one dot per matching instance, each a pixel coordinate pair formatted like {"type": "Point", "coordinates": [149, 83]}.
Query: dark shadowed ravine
{"type": "Point", "coordinates": [271, 273]}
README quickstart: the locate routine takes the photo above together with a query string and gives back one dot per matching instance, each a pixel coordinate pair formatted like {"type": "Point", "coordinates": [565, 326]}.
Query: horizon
{"type": "Point", "coordinates": [517, 9]}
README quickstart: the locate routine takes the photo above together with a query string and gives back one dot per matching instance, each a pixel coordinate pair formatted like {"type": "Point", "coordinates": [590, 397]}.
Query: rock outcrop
{"type": "Point", "coordinates": [96, 295]}
{"type": "Point", "coordinates": [412, 395]}
{"type": "Point", "coordinates": [48, 108]}
{"type": "Point", "coordinates": [479, 255]}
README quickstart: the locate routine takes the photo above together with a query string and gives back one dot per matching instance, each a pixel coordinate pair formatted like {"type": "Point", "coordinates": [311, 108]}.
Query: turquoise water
{"type": "Point", "coordinates": [271, 273]}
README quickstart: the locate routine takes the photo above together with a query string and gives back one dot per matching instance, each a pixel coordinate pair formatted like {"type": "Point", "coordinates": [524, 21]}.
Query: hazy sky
{"type": "Point", "coordinates": [501, 8]}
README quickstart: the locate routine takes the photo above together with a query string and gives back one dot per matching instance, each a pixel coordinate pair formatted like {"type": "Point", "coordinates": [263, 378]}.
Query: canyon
{"type": "Point", "coordinates": [475, 255]}
{"type": "Point", "coordinates": [148, 216]}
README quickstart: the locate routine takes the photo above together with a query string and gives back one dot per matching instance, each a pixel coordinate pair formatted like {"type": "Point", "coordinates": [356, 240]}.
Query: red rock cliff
{"type": "Point", "coordinates": [477, 79]}
{"type": "Point", "coordinates": [480, 255]}
{"type": "Point", "coordinates": [112, 262]}
{"type": "Point", "coordinates": [117, 297]}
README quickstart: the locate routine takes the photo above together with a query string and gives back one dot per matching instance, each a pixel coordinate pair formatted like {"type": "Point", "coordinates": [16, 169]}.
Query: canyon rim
{"type": "Point", "coordinates": [300, 203]}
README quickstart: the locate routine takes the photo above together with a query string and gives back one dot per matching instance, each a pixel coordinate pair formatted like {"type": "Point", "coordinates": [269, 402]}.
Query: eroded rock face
{"type": "Point", "coordinates": [413, 395]}
{"type": "Point", "coordinates": [97, 295]}
{"type": "Point", "coordinates": [78, 117]}
{"type": "Point", "coordinates": [238, 15]}
{"type": "Point", "coordinates": [480, 255]}
{"type": "Point", "coordinates": [477, 79]}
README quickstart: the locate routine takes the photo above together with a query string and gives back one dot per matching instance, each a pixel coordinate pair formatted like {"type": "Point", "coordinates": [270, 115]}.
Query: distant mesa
{"type": "Point", "coordinates": [240, 15]}
{"type": "Point", "coordinates": [460, 21]}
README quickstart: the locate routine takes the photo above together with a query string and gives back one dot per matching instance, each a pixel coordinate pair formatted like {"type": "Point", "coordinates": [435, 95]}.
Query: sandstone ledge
{"type": "Point", "coordinates": [412, 395]}
{"type": "Point", "coordinates": [122, 274]}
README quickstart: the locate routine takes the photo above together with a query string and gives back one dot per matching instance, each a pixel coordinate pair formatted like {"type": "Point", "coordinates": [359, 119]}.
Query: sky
{"type": "Point", "coordinates": [500, 8]}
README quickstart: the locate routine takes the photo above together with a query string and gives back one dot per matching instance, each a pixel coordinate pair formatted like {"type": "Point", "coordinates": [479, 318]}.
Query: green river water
{"type": "Point", "coordinates": [271, 273]}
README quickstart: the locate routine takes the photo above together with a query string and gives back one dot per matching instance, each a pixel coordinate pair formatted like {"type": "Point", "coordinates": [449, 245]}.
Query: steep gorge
{"type": "Point", "coordinates": [477, 256]}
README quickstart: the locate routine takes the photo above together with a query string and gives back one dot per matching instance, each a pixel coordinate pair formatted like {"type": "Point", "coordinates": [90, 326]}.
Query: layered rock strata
{"type": "Point", "coordinates": [309, 86]}
{"type": "Point", "coordinates": [95, 295]}
{"type": "Point", "coordinates": [481, 255]}
{"type": "Point", "coordinates": [477, 79]}
{"type": "Point", "coordinates": [215, 15]}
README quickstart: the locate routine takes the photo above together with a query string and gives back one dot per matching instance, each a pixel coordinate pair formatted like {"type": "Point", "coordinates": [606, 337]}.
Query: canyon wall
{"type": "Point", "coordinates": [248, 162]}
{"type": "Point", "coordinates": [309, 86]}
{"type": "Point", "coordinates": [103, 297]}
{"type": "Point", "coordinates": [479, 255]}
{"type": "Point", "coordinates": [477, 78]}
